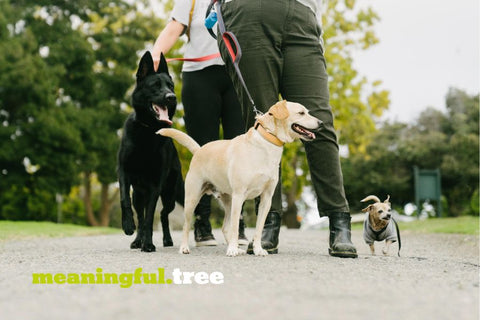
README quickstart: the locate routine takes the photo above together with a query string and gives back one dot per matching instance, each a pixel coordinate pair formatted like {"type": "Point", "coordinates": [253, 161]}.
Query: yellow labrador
{"type": "Point", "coordinates": [242, 168]}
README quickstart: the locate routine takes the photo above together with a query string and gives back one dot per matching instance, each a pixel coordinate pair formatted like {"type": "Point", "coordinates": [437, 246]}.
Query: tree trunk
{"type": "Point", "coordinates": [87, 199]}
{"type": "Point", "coordinates": [106, 204]}
{"type": "Point", "coordinates": [290, 215]}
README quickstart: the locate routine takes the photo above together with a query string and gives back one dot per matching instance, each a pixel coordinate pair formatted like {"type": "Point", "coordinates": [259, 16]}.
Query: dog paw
{"type": "Point", "coordinates": [184, 250]}
{"type": "Point", "coordinates": [128, 225]}
{"type": "Point", "coordinates": [168, 242]}
{"type": "Point", "coordinates": [234, 251]}
{"type": "Point", "coordinates": [136, 244]}
{"type": "Point", "coordinates": [260, 252]}
{"type": "Point", "coordinates": [149, 247]}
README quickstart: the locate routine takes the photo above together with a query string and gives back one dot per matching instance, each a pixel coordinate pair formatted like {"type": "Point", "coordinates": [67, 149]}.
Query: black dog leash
{"type": "Point", "coordinates": [398, 236]}
{"type": "Point", "coordinates": [228, 38]}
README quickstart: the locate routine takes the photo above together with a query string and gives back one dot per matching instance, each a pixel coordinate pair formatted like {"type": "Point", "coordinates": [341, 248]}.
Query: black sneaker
{"type": "Point", "coordinates": [203, 233]}
{"type": "Point", "coordinates": [242, 239]}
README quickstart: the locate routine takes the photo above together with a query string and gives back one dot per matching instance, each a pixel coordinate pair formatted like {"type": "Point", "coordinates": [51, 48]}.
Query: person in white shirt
{"type": "Point", "coordinates": [208, 96]}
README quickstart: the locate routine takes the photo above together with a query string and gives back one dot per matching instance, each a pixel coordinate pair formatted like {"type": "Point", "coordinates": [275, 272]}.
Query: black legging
{"type": "Point", "coordinates": [209, 100]}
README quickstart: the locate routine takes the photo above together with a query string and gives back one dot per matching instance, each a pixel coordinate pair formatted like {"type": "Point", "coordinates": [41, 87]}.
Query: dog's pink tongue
{"type": "Point", "coordinates": [162, 114]}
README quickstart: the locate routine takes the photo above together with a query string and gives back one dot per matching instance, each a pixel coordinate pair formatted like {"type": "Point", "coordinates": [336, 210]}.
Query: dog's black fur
{"type": "Point", "coordinates": [149, 162]}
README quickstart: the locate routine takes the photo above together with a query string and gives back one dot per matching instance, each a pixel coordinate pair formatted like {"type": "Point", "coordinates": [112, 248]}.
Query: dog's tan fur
{"type": "Point", "coordinates": [242, 168]}
{"type": "Point", "coordinates": [379, 217]}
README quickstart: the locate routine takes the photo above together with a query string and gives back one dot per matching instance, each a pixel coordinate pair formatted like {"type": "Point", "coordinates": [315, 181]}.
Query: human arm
{"type": "Point", "coordinates": [166, 39]}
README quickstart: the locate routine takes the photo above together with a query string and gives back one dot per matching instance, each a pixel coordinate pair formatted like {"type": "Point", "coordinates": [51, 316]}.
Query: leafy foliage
{"type": "Point", "coordinates": [448, 141]}
{"type": "Point", "coordinates": [66, 69]}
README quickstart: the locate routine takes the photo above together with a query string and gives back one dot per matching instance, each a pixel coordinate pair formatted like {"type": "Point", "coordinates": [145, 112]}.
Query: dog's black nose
{"type": "Point", "coordinates": [319, 126]}
{"type": "Point", "coordinates": [170, 97]}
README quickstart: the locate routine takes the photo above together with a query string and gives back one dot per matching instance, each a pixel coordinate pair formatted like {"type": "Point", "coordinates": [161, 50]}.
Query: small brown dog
{"type": "Point", "coordinates": [377, 226]}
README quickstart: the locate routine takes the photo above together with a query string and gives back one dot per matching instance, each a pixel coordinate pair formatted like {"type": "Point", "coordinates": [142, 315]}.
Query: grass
{"type": "Point", "coordinates": [460, 225]}
{"type": "Point", "coordinates": [19, 230]}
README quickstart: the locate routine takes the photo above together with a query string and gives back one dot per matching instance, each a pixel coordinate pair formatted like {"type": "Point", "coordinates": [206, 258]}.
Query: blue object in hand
{"type": "Point", "coordinates": [211, 20]}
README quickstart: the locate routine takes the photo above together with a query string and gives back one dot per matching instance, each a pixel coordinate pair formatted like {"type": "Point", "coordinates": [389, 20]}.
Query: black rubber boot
{"type": "Point", "coordinates": [340, 236]}
{"type": "Point", "coordinates": [270, 233]}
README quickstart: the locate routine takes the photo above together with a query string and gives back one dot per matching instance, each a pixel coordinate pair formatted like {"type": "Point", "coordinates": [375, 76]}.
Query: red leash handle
{"type": "Point", "coordinates": [204, 58]}
{"type": "Point", "coordinates": [236, 54]}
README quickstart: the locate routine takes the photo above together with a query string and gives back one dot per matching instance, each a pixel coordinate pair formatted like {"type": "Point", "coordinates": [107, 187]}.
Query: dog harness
{"type": "Point", "coordinates": [390, 232]}
{"type": "Point", "coordinates": [387, 233]}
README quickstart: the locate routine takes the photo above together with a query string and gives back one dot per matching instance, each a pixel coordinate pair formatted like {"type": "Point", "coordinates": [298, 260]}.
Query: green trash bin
{"type": "Point", "coordinates": [427, 187]}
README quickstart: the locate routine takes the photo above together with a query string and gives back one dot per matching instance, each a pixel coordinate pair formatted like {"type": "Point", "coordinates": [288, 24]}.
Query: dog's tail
{"type": "Point", "coordinates": [371, 197]}
{"type": "Point", "coordinates": [182, 138]}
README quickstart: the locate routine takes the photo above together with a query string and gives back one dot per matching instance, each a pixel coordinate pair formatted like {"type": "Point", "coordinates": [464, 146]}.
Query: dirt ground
{"type": "Point", "coordinates": [436, 277]}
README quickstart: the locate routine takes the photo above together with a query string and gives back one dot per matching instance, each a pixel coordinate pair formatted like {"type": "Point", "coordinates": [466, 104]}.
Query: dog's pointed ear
{"type": "Point", "coordinates": [162, 67]}
{"type": "Point", "coordinates": [145, 67]}
{"type": "Point", "coordinates": [387, 200]}
{"type": "Point", "coordinates": [279, 110]}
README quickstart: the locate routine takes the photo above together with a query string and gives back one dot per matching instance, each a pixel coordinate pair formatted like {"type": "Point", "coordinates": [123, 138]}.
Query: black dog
{"type": "Point", "coordinates": [147, 161]}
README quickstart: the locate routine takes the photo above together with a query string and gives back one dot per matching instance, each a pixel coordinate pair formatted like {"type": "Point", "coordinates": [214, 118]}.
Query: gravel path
{"type": "Point", "coordinates": [437, 277]}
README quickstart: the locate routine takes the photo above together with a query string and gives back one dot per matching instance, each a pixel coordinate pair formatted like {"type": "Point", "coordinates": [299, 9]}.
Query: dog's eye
{"type": "Point", "coordinates": [302, 113]}
{"type": "Point", "coordinates": [380, 211]}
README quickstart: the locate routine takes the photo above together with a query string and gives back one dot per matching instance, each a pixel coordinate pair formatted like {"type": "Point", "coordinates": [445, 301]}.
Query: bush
{"type": "Point", "coordinates": [20, 203]}
{"type": "Point", "coordinates": [474, 204]}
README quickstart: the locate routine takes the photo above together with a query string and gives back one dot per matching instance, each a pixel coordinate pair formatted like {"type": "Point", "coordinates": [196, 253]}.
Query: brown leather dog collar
{"type": "Point", "coordinates": [267, 135]}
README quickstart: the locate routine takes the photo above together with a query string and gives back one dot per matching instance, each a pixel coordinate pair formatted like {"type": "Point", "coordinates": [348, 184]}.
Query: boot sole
{"type": "Point", "coordinates": [342, 254]}
{"type": "Point", "coordinates": [207, 243]}
{"type": "Point", "coordinates": [270, 251]}
{"type": "Point", "coordinates": [243, 242]}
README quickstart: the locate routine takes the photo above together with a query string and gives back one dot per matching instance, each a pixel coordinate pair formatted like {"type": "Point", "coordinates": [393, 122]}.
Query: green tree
{"type": "Point", "coordinates": [448, 141]}
{"type": "Point", "coordinates": [460, 165]}
{"type": "Point", "coordinates": [67, 70]}
{"type": "Point", "coordinates": [28, 88]}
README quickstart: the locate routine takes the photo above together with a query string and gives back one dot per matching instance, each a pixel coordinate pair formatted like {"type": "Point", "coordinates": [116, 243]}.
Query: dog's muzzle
{"type": "Point", "coordinates": [171, 97]}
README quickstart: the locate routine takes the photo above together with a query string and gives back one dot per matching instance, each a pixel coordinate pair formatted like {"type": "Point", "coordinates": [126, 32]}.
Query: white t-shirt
{"type": "Point", "coordinates": [201, 42]}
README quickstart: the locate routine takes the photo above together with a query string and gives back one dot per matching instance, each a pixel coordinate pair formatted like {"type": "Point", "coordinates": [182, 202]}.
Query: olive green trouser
{"type": "Point", "coordinates": [281, 54]}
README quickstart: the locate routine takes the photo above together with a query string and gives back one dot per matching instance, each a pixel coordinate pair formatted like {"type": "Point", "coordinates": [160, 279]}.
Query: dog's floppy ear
{"type": "Point", "coordinates": [370, 207]}
{"type": "Point", "coordinates": [145, 67]}
{"type": "Point", "coordinates": [279, 110]}
{"type": "Point", "coordinates": [162, 67]}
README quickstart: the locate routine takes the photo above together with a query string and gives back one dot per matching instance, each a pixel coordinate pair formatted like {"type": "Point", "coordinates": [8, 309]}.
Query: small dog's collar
{"type": "Point", "coordinates": [267, 135]}
{"type": "Point", "coordinates": [379, 232]}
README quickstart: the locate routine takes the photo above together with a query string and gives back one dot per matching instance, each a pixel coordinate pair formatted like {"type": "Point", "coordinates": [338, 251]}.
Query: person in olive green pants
{"type": "Point", "coordinates": [282, 55]}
